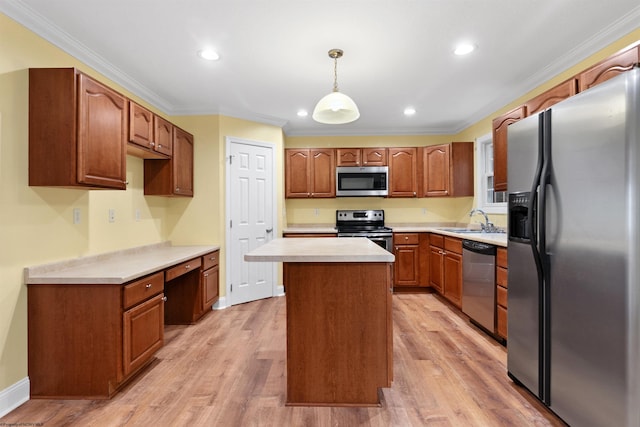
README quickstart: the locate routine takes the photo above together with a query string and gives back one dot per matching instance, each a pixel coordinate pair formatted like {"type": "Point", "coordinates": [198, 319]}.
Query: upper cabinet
{"type": "Point", "coordinates": [361, 157]}
{"type": "Point", "coordinates": [610, 67]}
{"type": "Point", "coordinates": [403, 172]}
{"type": "Point", "coordinates": [172, 177]}
{"type": "Point", "coordinates": [500, 146]}
{"type": "Point", "coordinates": [448, 170]}
{"type": "Point", "coordinates": [77, 131]}
{"type": "Point", "coordinates": [552, 96]}
{"type": "Point", "coordinates": [150, 136]}
{"type": "Point", "coordinates": [310, 172]}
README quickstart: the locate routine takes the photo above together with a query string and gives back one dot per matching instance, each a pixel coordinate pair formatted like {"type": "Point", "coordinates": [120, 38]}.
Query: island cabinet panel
{"type": "Point", "coordinates": [339, 333]}
{"type": "Point", "coordinates": [77, 131]}
{"type": "Point", "coordinates": [84, 344]}
{"type": "Point", "coordinates": [403, 172]}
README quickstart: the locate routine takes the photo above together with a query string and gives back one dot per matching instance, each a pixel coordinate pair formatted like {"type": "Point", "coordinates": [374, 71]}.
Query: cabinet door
{"type": "Point", "coordinates": [163, 136]}
{"type": "Point", "coordinates": [610, 67]}
{"type": "Point", "coordinates": [323, 173]}
{"type": "Point", "coordinates": [436, 268]}
{"type": "Point", "coordinates": [453, 278]}
{"type": "Point", "coordinates": [407, 265]}
{"type": "Point", "coordinates": [102, 135]}
{"type": "Point", "coordinates": [143, 332]}
{"type": "Point", "coordinates": [436, 170]}
{"type": "Point", "coordinates": [374, 156]}
{"type": "Point", "coordinates": [403, 172]}
{"type": "Point", "coordinates": [140, 126]}
{"type": "Point", "coordinates": [348, 157]}
{"type": "Point", "coordinates": [182, 163]}
{"type": "Point", "coordinates": [552, 96]}
{"type": "Point", "coordinates": [500, 146]}
{"type": "Point", "coordinates": [297, 179]}
{"type": "Point", "coordinates": [210, 287]}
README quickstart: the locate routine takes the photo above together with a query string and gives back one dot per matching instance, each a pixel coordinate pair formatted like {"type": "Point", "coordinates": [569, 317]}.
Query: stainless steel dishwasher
{"type": "Point", "coordinates": [479, 284]}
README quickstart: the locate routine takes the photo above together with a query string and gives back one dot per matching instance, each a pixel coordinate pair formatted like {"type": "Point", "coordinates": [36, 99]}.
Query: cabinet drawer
{"type": "Point", "coordinates": [502, 321]}
{"type": "Point", "coordinates": [453, 245]}
{"type": "Point", "coordinates": [405, 238]}
{"type": "Point", "coordinates": [183, 268]}
{"type": "Point", "coordinates": [142, 289]}
{"type": "Point", "coordinates": [501, 296]}
{"type": "Point", "coordinates": [501, 257]}
{"type": "Point", "coordinates": [436, 240]}
{"type": "Point", "coordinates": [209, 260]}
{"type": "Point", "coordinates": [501, 277]}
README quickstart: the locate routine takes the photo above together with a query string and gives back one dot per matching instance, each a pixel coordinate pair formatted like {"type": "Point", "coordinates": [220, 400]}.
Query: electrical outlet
{"type": "Point", "coordinates": [137, 215]}
{"type": "Point", "coordinates": [112, 215]}
{"type": "Point", "coordinates": [424, 211]}
{"type": "Point", "coordinates": [316, 211]}
{"type": "Point", "coordinates": [76, 215]}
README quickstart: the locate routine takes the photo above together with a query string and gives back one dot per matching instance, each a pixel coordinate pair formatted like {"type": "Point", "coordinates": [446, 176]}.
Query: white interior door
{"type": "Point", "coordinates": [250, 218]}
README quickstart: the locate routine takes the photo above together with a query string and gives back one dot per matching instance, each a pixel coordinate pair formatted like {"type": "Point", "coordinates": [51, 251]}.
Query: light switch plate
{"type": "Point", "coordinates": [112, 215]}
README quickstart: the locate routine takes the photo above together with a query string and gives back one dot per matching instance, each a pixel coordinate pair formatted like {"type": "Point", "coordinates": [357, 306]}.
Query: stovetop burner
{"type": "Point", "coordinates": [361, 221]}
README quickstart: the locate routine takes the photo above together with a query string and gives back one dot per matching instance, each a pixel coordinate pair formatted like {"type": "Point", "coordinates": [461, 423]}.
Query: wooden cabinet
{"type": "Point", "coordinates": [77, 131]}
{"type": "Point", "coordinates": [210, 281]}
{"type": "Point", "coordinates": [150, 136]}
{"type": "Point", "coordinates": [310, 172]}
{"type": "Point", "coordinates": [361, 157]}
{"type": "Point", "coordinates": [445, 263]}
{"type": "Point", "coordinates": [552, 96]}
{"type": "Point", "coordinates": [501, 292]}
{"type": "Point", "coordinates": [448, 170]}
{"type": "Point", "coordinates": [86, 341]}
{"type": "Point", "coordinates": [403, 172]}
{"type": "Point", "coordinates": [174, 176]}
{"type": "Point", "coordinates": [407, 265]}
{"type": "Point", "coordinates": [610, 67]}
{"type": "Point", "coordinates": [500, 145]}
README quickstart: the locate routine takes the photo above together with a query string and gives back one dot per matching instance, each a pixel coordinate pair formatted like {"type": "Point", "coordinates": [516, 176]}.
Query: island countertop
{"type": "Point", "coordinates": [326, 249]}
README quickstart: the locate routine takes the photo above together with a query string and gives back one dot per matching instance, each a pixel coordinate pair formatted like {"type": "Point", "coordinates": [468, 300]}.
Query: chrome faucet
{"type": "Point", "coordinates": [487, 227]}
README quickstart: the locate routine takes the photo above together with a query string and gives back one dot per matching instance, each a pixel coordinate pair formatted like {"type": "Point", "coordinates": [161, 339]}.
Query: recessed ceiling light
{"type": "Point", "coordinates": [409, 111]}
{"type": "Point", "coordinates": [208, 54]}
{"type": "Point", "coordinates": [464, 48]}
{"type": "Point", "coordinates": [303, 113]}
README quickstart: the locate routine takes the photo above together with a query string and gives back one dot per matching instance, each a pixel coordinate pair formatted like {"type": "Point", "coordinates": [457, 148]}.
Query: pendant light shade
{"type": "Point", "coordinates": [335, 108]}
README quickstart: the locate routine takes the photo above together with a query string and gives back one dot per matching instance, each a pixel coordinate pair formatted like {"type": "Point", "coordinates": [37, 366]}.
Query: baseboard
{"type": "Point", "coordinates": [221, 304]}
{"type": "Point", "coordinates": [279, 291]}
{"type": "Point", "coordinates": [14, 396]}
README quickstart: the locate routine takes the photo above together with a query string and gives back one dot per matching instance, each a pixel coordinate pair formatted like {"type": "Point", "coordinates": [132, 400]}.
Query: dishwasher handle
{"type": "Point", "coordinates": [479, 247]}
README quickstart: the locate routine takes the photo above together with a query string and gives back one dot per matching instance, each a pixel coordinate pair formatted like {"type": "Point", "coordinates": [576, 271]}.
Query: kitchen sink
{"type": "Point", "coordinates": [461, 230]}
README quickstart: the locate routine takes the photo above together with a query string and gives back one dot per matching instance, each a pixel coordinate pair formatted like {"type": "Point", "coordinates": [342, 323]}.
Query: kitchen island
{"type": "Point", "coordinates": [339, 325]}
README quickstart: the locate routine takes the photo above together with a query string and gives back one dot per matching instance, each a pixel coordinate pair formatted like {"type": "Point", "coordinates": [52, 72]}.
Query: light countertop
{"type": "Point", "coordinates": [498, 239]}
{"type": "Point", "coordinates": [326, 249]}
{"type": "Point", "coordinates": [114, 267]}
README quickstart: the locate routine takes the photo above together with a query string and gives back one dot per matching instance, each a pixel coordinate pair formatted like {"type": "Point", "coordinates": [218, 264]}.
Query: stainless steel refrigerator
{"type": "Point", "coordinates": [574, 254]}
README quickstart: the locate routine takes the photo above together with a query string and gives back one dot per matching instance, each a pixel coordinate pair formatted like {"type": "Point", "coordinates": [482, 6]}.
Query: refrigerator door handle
{"type": "Point", "coordinates": [533, 200]}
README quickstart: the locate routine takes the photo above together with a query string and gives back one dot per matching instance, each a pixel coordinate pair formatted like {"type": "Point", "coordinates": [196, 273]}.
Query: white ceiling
{"type": "Point", "coordinates": [274, 60]}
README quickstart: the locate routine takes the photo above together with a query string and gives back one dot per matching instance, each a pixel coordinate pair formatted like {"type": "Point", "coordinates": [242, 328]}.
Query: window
{"type": "Point", "coordinates": [489, 200]}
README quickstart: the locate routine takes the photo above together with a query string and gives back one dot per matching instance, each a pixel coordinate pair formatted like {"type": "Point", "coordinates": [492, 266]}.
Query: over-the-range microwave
{"type": "Point", "coordinates": [355, 181]}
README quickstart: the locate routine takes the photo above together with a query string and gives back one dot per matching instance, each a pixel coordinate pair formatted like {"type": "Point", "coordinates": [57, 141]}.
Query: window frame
{"type": "Point", "coordinates": [482, 144]}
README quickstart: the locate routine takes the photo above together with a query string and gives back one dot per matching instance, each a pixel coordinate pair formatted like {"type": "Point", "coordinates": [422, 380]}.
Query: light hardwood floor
{"type": "Point", "coordinates": [229, 370]}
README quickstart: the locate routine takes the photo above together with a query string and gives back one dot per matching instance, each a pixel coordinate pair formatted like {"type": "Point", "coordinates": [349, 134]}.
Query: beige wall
{"type": "Point", "coordinates": [36, 223]}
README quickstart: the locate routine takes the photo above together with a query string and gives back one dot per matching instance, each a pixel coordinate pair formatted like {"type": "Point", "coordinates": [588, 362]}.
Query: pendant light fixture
{"type": "Point", "coordinates": [336, 108]}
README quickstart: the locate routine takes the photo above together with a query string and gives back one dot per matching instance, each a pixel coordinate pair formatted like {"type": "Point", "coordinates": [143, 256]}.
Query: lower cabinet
{"type": "Point", "coordinates": [445, 267]}
{"type": "Point", "coordinates": [209, 281]}
{"type": "Point", "coordinates": [86, 341]}
{"type": "Point", "coordinates": [501, 292]}
{"type": "Point", "coordinates": [411, 267]}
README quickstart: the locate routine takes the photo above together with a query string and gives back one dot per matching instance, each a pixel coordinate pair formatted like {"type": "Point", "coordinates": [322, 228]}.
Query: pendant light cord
{"type": "Point", "coordinates": [335, 74]}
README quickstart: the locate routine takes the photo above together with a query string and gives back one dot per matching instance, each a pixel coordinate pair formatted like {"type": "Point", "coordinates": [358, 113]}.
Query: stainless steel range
{"type": "Point", "coordinates": [365, 223]}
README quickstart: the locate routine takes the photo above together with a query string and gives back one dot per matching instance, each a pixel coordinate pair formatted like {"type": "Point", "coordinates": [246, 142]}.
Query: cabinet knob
{"type": "Point", "coordinates": [406, 237]}
{"type": "Point", "coordinates": [188, 266]}
{"type": "Point", "coordinates": [159, 145]}
{"type": "Point", "coordinates": [177, 188]}
{"type": "Point", "coordinates": [212, 258]}
{"type": "Point", "coordinates": [148, 285]}
{"type": "Point", "coordinates": [206, 274]}
{"type": "Point", "coordinates": [152, 143]}
{"type": "Point", "coordinates": [164, 299]}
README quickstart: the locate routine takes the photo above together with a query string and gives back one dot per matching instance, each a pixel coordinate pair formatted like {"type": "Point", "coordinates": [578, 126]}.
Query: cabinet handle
{"type": "Point", "coordinates": [206, 274]}
{"type": "Point", "coordinates": [164, 299]}
{"type": "Point", "coordinates": [188, 266]}
{"type": "Point", "coordinates": [148, 285]}
{"type": "Point", "coordinates": [212, 258]}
